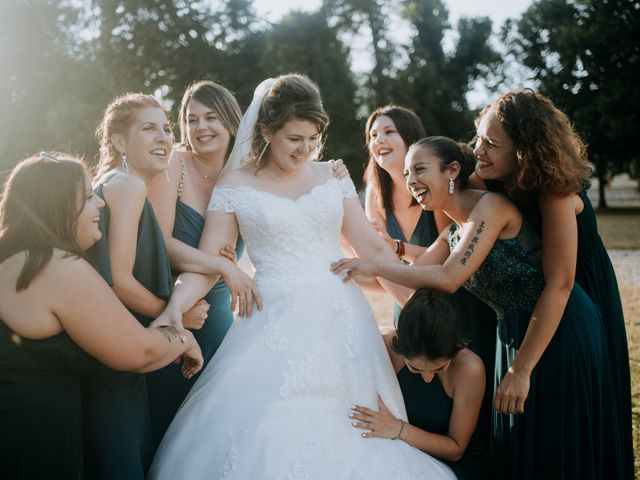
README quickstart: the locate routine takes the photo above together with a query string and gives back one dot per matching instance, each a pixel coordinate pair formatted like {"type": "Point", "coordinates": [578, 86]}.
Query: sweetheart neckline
{"type": "Point", "coordinates": [291, 199]}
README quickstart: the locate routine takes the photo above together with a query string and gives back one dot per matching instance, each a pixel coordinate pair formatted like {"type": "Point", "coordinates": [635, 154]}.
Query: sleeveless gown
{"type": "Point", "coordinates": [429, 408]}
{"type": "Point", "coordinates": [274, 401]}
{"type": "Point", "coordinates": [41, 406]}
{"type": "Point", "coordinates": [595, 274]}
{"type": "Point", "coordinates": [569, 428]}
{"type": "Point", "coordinates": [477, 319]}
{"type": "Point", "coordinates": [167, 387]}
{"type": "Point", "coordinates": [117, 424]}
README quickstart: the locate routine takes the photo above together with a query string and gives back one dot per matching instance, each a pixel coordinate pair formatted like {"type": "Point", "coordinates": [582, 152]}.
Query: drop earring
{"type": "Point", "coordinates": [125, 165]}
{"type": "Point", "coordinates": [452, 186]}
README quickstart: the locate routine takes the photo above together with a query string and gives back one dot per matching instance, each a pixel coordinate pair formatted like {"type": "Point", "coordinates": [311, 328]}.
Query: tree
{"type": "Point", "coordinates": [435, 83]}
{"type": "Point", "coordinates": [352, 16]}
{"type": "Point", "coordinates": [37, 71]}
{"type": "Point", "coordinates": [583, 54]}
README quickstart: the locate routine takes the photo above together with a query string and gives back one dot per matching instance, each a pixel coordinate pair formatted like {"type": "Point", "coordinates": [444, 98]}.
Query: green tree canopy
{"type": "Point", "coordinates": [584, 56]}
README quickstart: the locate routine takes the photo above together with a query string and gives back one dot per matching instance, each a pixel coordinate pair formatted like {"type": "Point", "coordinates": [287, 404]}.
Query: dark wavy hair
{"type": "Point", "coordinates": [427, 327]}
{"type": "Point", "coordinates": [292, 96]}
{"type": "Point", "coordinates": [39, 211]}
{"type": "Point", "coordinates": [411, 130]}
{"type": "Point", "coordinates": [550, 156]}
{"type": "Point", "coordinates": [448, 151]}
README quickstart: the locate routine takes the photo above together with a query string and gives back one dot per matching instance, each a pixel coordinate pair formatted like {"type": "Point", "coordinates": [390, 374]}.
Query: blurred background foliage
{"type": "Point", "coordinates": [62, 61]}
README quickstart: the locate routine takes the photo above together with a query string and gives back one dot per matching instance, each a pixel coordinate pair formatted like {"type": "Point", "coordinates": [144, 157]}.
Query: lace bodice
{"type": "Point", "coordinates": [285, 235]}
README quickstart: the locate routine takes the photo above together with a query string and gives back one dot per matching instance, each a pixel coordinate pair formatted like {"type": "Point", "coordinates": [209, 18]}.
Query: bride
{"type": "Point", "coordinates": [274, 401]}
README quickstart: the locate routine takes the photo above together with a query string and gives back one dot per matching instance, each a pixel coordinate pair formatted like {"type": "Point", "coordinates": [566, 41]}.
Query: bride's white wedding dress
{"type": "Point", "coordinates": [274, 401]}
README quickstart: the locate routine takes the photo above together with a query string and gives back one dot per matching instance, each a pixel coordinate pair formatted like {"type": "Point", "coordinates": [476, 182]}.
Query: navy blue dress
{"type": "Point", "coordinates": [429, 408]}
{"type": "Point", "coordinates": [41, 406]}
{"type": "Point", "coordinates": [477, 320]}
{"type": "Point", "coordinates": [570, 426]}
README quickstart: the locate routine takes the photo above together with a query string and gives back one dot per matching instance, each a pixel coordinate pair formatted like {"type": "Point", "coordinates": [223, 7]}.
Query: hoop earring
{"type": "Point", "coordinates": [452, 186]}
{"type": "Point", "coordinates": [125, 165]}
{"type": "Point", "coordinates": [259, 159]}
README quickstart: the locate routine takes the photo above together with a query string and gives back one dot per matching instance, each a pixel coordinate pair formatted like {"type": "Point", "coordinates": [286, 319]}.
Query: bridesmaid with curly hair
{"type": "Point", "coordinates": [528, 149]}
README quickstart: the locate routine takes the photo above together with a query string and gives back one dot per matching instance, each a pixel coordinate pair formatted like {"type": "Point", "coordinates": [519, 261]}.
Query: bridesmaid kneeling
{"type": "Point", "coordinates": [442, 383]}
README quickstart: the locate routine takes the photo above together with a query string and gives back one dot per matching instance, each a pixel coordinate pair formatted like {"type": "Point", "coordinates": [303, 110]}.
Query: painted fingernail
{"type": "Point", "coordinates": [351, 415]}
{"type": "Point", "coordinates": [363, 435]}
{"type": "Point", "coordinates": [355, 424]}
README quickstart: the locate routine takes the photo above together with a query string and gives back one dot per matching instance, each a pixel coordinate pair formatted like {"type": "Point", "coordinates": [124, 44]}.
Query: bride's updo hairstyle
{"type": "Point", "coordinates": [292, 96]}
{"type": "Point", "coordinates": [448, 151]}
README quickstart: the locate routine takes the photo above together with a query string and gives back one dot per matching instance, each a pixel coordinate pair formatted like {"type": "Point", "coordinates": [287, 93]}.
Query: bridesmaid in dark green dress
{"type": "Point", "coordinates": [442, 383]}
{"type": "Point", "coordinates": [528, 149]}
{"type": "Point", "coordinates": [556, 410]}
{"type": "Point", "coordinates": [209, 119]}
{"type": "Point", "coordinates": [48, 218]}
{"type": "Point", "coordinates": [389, 132]}
{"type": "Point", "coordinates": [135, 144]}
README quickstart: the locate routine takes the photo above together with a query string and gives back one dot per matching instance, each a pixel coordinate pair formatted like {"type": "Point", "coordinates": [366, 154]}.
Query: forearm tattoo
{"type": "Point", "coordinates": [169, 332]}
{"type": "Point", "coordinates": [473, 243]}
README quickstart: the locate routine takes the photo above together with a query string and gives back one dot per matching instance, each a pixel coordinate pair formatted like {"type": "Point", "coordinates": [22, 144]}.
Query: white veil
{"type": "Point", "coordinates": [244, 137]}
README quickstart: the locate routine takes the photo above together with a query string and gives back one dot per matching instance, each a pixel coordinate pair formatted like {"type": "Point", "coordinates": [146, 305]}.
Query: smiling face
{"type": "Point", "coordinates": [386, 145]}
{"type": "Point", "coordinates": [296, 142]}
{"type": "Point", "coordinates": [87, 227]}
{"type": "Point", "coordinates": [147, 142]}
{"type": "Point", "coordinates": [426, 368]}
{"type": "Point", "coordinates": [426, 181]}
{"type": "Point", "coordinates": [205, 131]}
{"type": "Point", "coordinates": [494, 149]}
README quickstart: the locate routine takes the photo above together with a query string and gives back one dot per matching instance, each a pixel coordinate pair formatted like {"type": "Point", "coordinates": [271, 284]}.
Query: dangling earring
{"type": "Point", "coordinates": [125, 165]}
{"type": "Point", "coordinates": [264, 149]}
{"type": "Point", "coordinates": [452, 186]}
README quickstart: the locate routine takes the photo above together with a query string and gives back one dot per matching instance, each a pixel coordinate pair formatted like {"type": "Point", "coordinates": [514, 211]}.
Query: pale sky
{"type": "Point", "coordinates": [497, 10]}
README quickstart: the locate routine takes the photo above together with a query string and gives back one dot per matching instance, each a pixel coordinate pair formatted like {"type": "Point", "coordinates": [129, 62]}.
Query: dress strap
{"type": "Point", "coordinates": [181, 182]}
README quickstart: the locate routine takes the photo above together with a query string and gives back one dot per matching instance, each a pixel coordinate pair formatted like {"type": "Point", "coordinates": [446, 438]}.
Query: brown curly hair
{"type": "Point", "coordinates": [550, 156]}
{"type": "Point", "coordinates": [118, 117]}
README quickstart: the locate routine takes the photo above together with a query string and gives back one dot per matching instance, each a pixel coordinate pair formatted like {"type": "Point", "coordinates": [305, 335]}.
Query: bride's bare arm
{"type": "Point", "coordinates": [366, 242]}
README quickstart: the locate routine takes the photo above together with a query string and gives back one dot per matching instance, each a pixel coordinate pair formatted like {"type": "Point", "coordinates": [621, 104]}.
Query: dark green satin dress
{"type": "Point", "coordinates": [118, 441]}
{"type": "Point", "coordinates": [477, 320]}
{"type": "Point", "coordinates": [595, 274]}
{"type": "Point", "coordinates": [167, 387]}
{"type": "Point", "coordinates": [41, 406]}
{"type": "Point", "coordinates": [429, 408]}
{"type": "Point", "coordinates": [570, 425]}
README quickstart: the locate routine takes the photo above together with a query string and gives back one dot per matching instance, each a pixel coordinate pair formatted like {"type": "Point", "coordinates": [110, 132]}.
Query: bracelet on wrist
{"type": "Point", "coordinates": [401, 430]}
{"type": "Point", "coordinates": [400, 247]}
